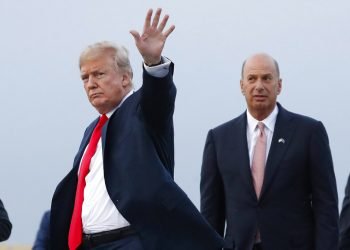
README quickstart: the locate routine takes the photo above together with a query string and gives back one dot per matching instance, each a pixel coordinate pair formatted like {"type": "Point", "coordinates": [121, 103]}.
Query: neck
{"type": "Point", "coordinates": [260, 115]}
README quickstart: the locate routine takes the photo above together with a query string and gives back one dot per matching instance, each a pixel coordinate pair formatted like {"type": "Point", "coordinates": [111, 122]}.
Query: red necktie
{"type": "Point", "coordinates": [259, 158]}
{"type": "Point", "coordinates": [76, 224]}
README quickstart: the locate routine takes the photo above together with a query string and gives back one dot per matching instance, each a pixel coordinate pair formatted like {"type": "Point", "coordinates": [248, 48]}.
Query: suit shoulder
{"type": "Point", "coordinates": [303, 119]}
{"type": "Point", "coordinates": [303, 123]}
{"type": "Point", "coordinates": [231, 124]}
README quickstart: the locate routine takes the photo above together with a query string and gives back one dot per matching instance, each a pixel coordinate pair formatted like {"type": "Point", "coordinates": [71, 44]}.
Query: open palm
{"type": "Point", "coordinates": [152, 40]}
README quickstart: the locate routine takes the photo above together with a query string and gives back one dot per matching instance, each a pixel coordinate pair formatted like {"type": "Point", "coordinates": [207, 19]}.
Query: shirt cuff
{"type": "Point", "coordinates": [160, 70]}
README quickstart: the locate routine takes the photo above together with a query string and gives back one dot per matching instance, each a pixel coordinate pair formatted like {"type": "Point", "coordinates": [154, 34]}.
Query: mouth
{"type": "Point", "coordinates": [260, 97]}
{"type": "Point", "coordinates": [94, 95]}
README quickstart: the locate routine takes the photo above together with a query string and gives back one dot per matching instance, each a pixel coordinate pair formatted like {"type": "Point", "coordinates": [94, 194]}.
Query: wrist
{"type": "Point", "coordinates": [154, 63]}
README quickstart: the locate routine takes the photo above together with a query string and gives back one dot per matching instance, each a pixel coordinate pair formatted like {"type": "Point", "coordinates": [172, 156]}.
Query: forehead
{"type": "Point", "coordinates": [96, 62]}
{"type": "Point", "coordinates": [260, 65]}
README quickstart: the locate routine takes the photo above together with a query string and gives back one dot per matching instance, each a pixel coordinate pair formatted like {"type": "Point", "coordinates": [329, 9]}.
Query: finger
{"type": "Point", "coordinates": [163, 23]}
{"type": "Point", "coordinates": [168, 32]}
{"type": "Point", "coordinates": [148, 19]}
{"type": "Point", "coordinates": [136, 35]}
{"type": "Point", "coordinates": [156, 18]}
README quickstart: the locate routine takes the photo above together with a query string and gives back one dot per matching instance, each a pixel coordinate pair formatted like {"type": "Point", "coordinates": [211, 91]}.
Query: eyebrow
{"type": "Point", "coordinates": [253, 74]}
{"type": "Point", "coordinates": [94, 71]}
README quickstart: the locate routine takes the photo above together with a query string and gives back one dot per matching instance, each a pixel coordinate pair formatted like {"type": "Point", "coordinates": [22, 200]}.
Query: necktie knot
{"type": "Point", "coordinates": [261, 127]}
{"type": "Point", "coordinates": [102, 121]}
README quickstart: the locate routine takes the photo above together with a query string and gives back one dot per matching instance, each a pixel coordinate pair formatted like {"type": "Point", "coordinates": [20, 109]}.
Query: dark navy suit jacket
{"type": "Point", "coordinates": [138, 157]}
{"type": "Point", "coordinates": [43, 235]}
{"type": "Point", "coordinates": [345, 220]}
{"type": "Point", "coordinates": [5, 224]}
{"type": "Point", "coordinates": [298, 206]}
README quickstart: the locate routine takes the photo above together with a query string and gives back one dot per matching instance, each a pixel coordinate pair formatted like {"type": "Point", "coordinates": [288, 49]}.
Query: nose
{"type": "Point", "coordinates": [91, 83]}
{"type": "Point", "coordinates": [259, 85]}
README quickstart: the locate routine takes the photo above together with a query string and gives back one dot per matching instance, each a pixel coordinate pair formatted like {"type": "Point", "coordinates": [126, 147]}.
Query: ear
{"type": "Point", "coordinates": [242, 89]}
{"type": "Point", "coordinates": [126, 79]}
{"type": "Point", "coordinates": [279, 86]}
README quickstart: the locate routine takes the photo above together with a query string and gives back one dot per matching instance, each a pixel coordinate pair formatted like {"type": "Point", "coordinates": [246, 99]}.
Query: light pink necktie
{"type": "Point", "coordinates": [259, 158]}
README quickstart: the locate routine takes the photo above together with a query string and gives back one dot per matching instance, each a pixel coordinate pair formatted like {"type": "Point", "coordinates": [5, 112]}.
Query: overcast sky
{"type": "Point", "coordinates": [45, 111]}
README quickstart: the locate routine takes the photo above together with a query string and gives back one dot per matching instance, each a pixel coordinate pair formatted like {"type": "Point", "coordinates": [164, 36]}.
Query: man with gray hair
{"type": "Point", "coordinates": [120, 193]}
{"type": "Point", "coordinates": [267, 180]}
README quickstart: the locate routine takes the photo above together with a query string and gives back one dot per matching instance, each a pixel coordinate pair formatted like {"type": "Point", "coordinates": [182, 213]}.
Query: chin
{"type": "Point", "coordinates": [99, 108]}
{"type": "Point", "coordinates": [260, 105]}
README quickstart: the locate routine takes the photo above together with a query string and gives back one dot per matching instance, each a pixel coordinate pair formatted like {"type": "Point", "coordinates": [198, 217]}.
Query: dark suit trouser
{"type": "Point", "coordinates": [132, 242]}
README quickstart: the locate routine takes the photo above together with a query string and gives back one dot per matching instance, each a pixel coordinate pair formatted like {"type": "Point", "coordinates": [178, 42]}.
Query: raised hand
{"type": "Point", "coordinates": [152, 41]}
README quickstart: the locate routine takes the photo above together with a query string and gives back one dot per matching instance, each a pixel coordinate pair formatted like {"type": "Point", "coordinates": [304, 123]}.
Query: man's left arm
{"type": "Point", "coordinates": [344, 222]}
{"type": "Point", "coordinates": [43, 235]}
{"type": "Point", "coordinates": [158, 94]}
{"type": "Point", "coordinates": [5, 224]}
{"type": "Point", "coordinates": [324, 190]}
{"type": "Point", "coordinates": [158, 90]}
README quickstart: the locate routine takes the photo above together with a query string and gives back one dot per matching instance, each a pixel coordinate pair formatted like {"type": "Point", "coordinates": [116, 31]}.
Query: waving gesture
{"type": "Point", "coordinates": [151, 42]}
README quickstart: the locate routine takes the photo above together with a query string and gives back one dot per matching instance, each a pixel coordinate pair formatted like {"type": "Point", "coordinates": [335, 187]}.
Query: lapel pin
{"type": "Point", "coordinates": [281, 140]}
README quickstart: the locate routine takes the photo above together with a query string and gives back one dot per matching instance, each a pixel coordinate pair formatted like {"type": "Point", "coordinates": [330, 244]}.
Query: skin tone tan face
{"type": "Point", "coordinates": [260, 85]}
{"type": "Point", "coordinates": [104, 83]}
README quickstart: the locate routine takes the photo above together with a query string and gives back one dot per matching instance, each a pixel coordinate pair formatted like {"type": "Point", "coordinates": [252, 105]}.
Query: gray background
{"type": "Point", "coordinates": [44, 110]}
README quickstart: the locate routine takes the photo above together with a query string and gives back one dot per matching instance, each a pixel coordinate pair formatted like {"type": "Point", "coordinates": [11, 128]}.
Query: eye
{"type": "Point", "coordinates": [84, 78]}
{"type": "Point", "coordinates": [267, 78]}
{"type": "Point", "coordinates": [100, 74]}
{"type": "Point", "coordinates": [251, 78]}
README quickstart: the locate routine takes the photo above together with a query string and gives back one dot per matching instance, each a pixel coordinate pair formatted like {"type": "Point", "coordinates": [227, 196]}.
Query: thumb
{"type": "Point", "coordinates": [136, 35]}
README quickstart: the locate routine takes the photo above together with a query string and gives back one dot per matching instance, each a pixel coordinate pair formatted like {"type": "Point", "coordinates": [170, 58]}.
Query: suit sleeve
{"type": "Point", "coordinates": [42, 237]}
{"type": "Point", "coordinates": [158, 99]}
{"type": "Point", "coordinates": [211, 188]}
{"type": "Point", "coordinates": [157, 105]}
{"type": "Point", "coordinates": [324, 190]}
{"type": "Point", "coordinates": [344, 222]}
{"type": "Point", "coordinates": [5, 224]}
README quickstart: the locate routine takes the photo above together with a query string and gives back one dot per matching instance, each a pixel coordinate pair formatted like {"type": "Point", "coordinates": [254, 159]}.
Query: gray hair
{"type": "Point", "coordinates": [119, 53]}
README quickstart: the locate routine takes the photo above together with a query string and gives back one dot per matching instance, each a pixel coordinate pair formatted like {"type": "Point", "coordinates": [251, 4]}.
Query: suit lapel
{"type": "Point", "coordinates": [118, 121]}
{"type": "Point", "coordinates": [240, 146]}
{"type": "Point", "coordinates": [84, 143]}
{"type": "Point", "coordinates": [103, 137]}
{"type": "Point", "coordinates": [281, 138]}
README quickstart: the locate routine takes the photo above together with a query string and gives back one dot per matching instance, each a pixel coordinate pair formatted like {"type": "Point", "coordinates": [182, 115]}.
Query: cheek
{"type": "Point", "coordinates": [249, 90]}
{"type": "Point", "coordinates": [86, 90]}
{"type": "Point", "coordinates": [113, 92]}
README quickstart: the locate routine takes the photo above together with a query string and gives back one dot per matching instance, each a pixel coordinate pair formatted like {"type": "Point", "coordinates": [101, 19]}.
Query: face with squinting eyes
{"type": "Point", "coordinates": [260, 84]}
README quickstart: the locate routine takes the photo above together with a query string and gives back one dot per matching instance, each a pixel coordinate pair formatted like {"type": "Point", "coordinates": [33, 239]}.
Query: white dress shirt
{"type": "Point", "coordinates": [252, 135]}
{"type": "Point", "coordinates": [253, 131]}
{"type": "Point", "coordinates": [99, 212]}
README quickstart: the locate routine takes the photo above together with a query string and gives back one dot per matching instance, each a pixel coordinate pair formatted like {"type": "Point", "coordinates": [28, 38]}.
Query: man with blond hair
{"type": "Point", "coordinates": [120, 193]}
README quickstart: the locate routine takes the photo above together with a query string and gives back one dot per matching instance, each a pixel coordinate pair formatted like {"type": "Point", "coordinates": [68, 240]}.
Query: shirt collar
{"type": "Point", "coordinates": [269, 121]}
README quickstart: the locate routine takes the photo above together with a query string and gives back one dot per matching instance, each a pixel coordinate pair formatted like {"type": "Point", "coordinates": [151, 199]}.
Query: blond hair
{"type": "Point", "coordinates": [119, 54]}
